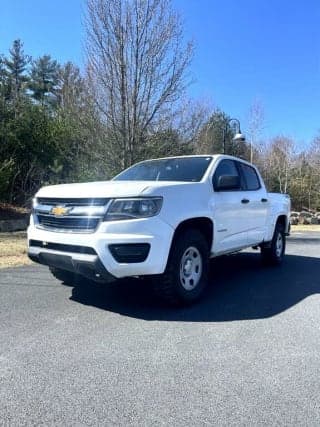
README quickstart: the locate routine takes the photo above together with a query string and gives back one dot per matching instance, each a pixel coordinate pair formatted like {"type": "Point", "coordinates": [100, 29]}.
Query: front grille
{"type": "Point", "coordinates": [79, 215]}
{"type": "Point", "coordinates": [54, 201]}
{"type": "Point", "coordinates": [62, 247]}
{"type": "Point", "coordinates": [64, 223]}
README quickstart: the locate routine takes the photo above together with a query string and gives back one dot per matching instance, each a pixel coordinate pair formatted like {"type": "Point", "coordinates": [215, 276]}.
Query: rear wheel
{"type": "Point", "coordinates": [186, 275]}
{"type": "Point", "coordinates": [67, 277]}
{"type": "Point", "coordinates": [273, 254]}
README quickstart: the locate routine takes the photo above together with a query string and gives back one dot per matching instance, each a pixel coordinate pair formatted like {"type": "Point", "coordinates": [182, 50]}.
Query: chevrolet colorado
{"type": "Point", "coordinates": [162, 218]}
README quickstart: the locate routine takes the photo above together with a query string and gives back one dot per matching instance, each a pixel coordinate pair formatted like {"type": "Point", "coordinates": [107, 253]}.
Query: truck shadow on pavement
{"type": "Point", "coordinates": [240, 289]}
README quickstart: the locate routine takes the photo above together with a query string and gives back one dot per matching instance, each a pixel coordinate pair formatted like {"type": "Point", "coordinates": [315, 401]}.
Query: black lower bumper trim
{"type": "Point", "coordinates": [92, 270]}
{"type": "Point", "coordinates": [130, 252]}
{"type": "Point", "coordinates": [63, 247]}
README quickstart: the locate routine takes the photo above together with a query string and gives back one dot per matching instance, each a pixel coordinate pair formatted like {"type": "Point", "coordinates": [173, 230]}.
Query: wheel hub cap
{"type": "Point", "coordinates": [279, 245]}
{"type": "Point", "coordinates": [187, 268]}
{"type": "Point", "coordinates": [190, 268]}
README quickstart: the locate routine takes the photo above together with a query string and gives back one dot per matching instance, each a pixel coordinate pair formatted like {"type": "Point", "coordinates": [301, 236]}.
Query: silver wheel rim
{"type": "Point", "coordinates": [279, 245]}
{"type": "Point", "coordinates": [190, 268]}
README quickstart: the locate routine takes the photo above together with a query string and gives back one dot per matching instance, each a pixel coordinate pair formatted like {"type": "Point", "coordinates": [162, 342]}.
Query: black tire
{"type": "Point", "coordinates": [273, 253]}
{"type": "Point", "coordinates": [66, 277]}
{"type": "Point", "coordinates": [186, 275]}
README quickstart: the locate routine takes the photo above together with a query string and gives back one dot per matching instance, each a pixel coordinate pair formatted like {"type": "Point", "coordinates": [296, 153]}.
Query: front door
{"type": "Point", "coordinates": [229, 211]}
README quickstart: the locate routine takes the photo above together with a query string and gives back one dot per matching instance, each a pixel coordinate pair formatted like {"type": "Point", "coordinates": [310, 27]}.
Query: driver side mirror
{"type": "Point", "coordinates": [227, 182]}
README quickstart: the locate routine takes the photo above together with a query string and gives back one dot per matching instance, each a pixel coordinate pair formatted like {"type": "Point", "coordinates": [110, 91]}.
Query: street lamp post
{"type": "Point", "coordinates": [238, 137]}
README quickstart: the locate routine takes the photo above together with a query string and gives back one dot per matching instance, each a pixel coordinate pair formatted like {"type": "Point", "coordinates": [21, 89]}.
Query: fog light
{"type": "Point", "coordinates": [130, 252]}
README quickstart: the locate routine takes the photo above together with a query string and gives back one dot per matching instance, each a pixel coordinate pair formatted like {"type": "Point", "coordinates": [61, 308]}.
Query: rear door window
{"type": "Point", "coordinates": [251, 178]}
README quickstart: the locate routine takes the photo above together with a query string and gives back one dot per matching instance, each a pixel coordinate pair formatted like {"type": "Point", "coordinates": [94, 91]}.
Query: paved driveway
{"type": "Point", "coordinates": [248, 354]}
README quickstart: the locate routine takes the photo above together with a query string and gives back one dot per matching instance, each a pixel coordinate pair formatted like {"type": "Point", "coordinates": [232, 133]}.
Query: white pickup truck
{"type": "Point", "coordinates": [162, 218]}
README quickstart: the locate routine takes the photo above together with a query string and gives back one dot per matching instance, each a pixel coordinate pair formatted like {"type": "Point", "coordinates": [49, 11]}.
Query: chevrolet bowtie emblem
{"type": "Point", "coordinates": [59, 210]}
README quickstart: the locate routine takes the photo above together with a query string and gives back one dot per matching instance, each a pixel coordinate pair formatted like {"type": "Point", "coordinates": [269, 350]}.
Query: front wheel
{"type": "Point", "coordinates": [273, 254]}
{"type": "Point", "coordinates": [186, 275]}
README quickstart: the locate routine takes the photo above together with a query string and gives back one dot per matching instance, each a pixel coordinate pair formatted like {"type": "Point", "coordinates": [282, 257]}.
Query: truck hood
{"type": "Point", "coordinates": [106, 189]}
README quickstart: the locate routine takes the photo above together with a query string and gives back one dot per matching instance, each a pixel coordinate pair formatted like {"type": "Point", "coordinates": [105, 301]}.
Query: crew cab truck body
{"type": "Point", "coordinates": [162, 218]}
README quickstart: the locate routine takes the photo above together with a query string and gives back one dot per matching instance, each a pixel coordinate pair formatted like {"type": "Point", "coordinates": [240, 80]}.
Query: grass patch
{"type": "Point", "coordinates": [13, 250]}
{"type": "Point", "coordinates": [308, 227]}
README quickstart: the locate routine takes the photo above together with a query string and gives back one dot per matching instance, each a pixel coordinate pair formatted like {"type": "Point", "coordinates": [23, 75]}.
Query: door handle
{"type": "Point", "coordinates": [264, 200]}
{"type": "Point", "coordinates": [245, 201]}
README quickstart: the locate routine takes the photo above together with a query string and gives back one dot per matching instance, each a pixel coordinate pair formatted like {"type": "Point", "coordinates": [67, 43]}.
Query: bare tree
{"type": "Point", "coordinates": [255, 126]}
{"type": "Point", "coordinates": [279, 163]}
{"type": "Point", "coordinates": [137, 61]}
{"type": "Point", "coordinates": [189, 119]}
{"type": "Point", "coordinates": [314, 173]}
{"type": "Point", "coordinates": [70, 88]}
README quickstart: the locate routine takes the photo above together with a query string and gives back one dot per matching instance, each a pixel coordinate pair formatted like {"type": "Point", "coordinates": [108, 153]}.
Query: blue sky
{"type": "Point", "coordinates": [245, 50]}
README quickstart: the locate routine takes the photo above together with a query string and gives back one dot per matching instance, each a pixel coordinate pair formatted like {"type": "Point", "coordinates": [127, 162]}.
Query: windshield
{"type": "Point", "coordinates": [189, 169]}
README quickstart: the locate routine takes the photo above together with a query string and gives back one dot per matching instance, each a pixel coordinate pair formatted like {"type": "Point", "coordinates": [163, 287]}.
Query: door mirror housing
{"type": "Point", "coordinates": [227, 183]}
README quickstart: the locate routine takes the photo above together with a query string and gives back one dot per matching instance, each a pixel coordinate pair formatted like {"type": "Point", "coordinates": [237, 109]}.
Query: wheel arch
{"type": "Point", "coordinates": [203, 224]}
{"type": "Point", "coordinates": [284, 221]}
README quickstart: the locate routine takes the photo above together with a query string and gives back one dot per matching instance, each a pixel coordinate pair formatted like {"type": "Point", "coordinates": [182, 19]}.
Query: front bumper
{"type": "Point", "coordinates": [86, 265]}
{"type": "Point", "coordinates": [153, 232]}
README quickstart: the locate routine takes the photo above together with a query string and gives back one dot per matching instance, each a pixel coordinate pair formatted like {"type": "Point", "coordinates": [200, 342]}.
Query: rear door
{"type": "Point", "coordinates": [257, 203]}
{"type": "Point", "coordinates": [229, 211]}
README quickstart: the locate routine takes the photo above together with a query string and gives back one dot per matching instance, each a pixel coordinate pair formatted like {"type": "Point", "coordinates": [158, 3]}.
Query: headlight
{"type": "Point", "coordinates": [133, 208]}
{"type": "Point", "coordinates": [34, 204]}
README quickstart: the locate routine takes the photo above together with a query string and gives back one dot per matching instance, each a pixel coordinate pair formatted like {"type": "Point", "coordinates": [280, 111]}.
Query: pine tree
{"type": "Point", "coordinates": [3, 81]}
{"type": "Point", "coordinates": [212, 135]}
{"type": "Point", "coordinates": [70, 87]}
{"type": "Point", "coordinates": [15, 68]}
{"type": "Point", "coordinates": [44, 80]}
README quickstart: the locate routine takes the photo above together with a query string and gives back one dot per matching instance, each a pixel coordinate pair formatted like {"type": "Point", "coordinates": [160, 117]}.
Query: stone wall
{"type": "Point", "coordinates": [9, 225]}
{"type": "Point", "coordinates": [305, 217]}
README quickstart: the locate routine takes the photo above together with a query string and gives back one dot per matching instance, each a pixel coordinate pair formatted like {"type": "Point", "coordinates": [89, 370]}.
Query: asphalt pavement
{"type": "Point", "coordinates": [248, 354]}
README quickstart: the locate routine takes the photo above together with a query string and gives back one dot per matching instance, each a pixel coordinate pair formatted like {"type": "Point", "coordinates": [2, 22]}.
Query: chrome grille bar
{"type": "Point", "coordinates": [72, 215]}
{"type": "Point", "coordinates": [54, 201]}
